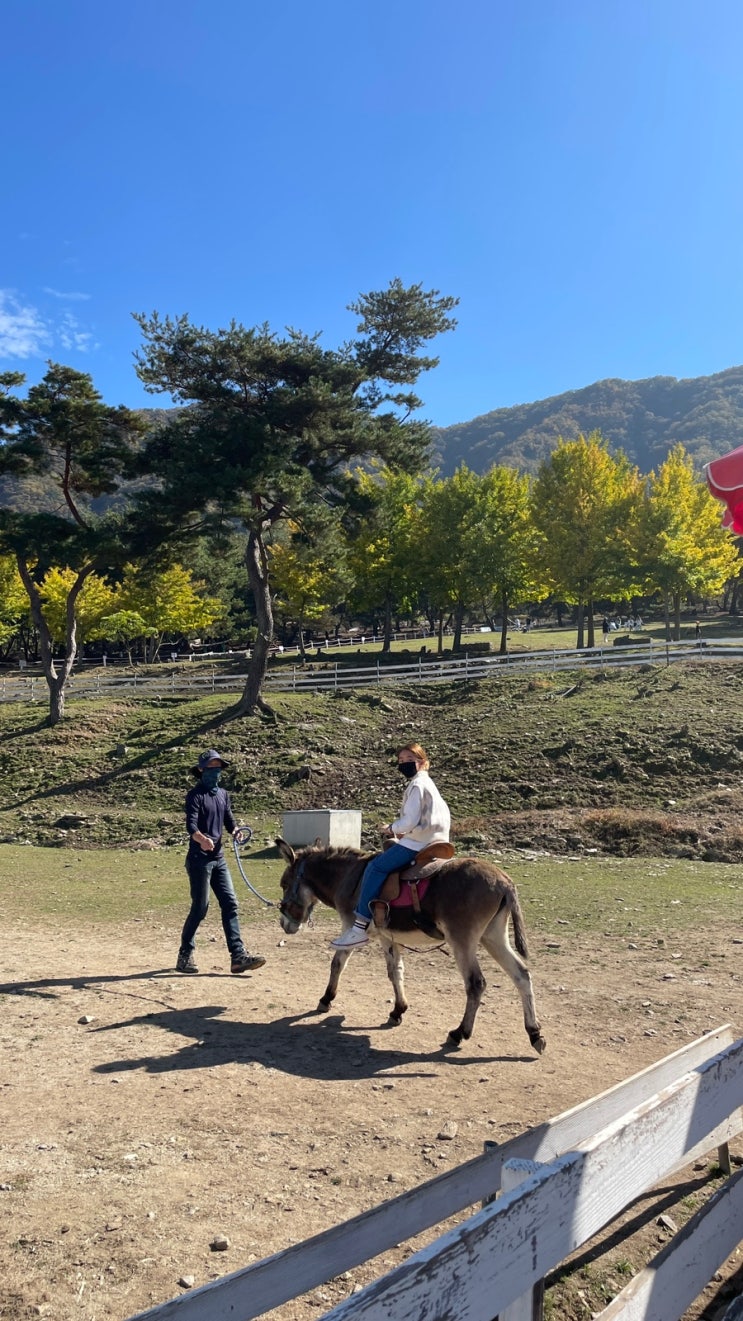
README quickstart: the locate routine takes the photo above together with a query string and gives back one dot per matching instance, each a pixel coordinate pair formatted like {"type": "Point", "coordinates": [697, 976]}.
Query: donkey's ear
{"type": "Point", "coordinates": [286, 850]}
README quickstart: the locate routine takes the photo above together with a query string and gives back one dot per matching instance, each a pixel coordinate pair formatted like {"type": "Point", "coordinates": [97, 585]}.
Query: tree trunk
{"type": "Point", "coordinates": [676, 616]}
{"type": "Point", "coordinates": [458, 618]}
{"type": "Point", "coordinates": [591, 639]}
{"type": "Point", "coordinates": [667, 616]}
{"type": "Point", "coordinates": [580, 643]}
{"type": "Point", "coordinates": [504, 629]}
{"type": "Point", "coordinates": [56, 699]}
{"type": "Point", "coordinates": [256, 562]}
{"type": "Point", "coordinates": [56, 676]}
{"type": "Point", "coordinates": [440, 635]}
{"type": "Point", "coordinates": [387, 638]}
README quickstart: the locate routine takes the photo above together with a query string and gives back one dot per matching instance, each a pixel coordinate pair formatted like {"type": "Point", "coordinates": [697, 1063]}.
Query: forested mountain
{"type": "Point", "coordinates": [37, 494]}
{"type": "Point", "coordinates": [644, 418]}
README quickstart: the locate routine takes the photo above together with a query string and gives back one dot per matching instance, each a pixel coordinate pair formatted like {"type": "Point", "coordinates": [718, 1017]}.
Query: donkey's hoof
{"type": "Point", "coordinates": [538, 1042]}
{"type": "Point", "coordinates": [455, 1036]}
{"type": "Point", "coordinates": [324, 1006]}
{"type": "Point", "coordinates": [394, 1020]}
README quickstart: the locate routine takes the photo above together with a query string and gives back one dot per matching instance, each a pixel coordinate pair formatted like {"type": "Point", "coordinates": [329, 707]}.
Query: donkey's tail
{"type": "Point", "coordinates": [517, 918]}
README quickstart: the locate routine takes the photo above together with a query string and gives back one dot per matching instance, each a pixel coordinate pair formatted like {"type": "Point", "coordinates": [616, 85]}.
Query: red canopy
{"type": "Point", "coordinates": [725, 481]}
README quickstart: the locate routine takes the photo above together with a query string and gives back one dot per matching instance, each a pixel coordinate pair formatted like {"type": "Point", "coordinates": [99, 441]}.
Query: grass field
{"type": "Point", "coordinates": [635, 897]}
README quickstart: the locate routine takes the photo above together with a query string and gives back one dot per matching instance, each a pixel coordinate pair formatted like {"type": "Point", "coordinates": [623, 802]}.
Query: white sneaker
{"type": "Point", "coordinates": [356, 935]}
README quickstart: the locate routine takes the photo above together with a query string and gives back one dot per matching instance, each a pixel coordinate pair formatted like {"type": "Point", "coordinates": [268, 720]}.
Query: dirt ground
{"type": "Point", "coordinates": [144, 1114]}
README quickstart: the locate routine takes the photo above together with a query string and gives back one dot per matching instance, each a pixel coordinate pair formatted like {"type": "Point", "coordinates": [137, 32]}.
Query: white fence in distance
{"type": "Point", "coordinates": [325, 675]}
{"type": "Point", "coordinates": [593, 1161]}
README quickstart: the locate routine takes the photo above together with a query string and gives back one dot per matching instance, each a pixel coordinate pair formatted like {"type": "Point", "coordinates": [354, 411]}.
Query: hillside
{"type": "Point", "coordinates": [36, 495]}
{"type": "Point", "coordinates": [644, 418]}
{"type": "Point", "coordinates": [637, 761]}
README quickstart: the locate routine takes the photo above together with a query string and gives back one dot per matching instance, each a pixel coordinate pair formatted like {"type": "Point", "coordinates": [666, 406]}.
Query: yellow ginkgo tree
{"type": "Point", "coordinates": [93, 601]}
{"type": "Point", "coordinates": [167, 601]}
{"type": "Point", "coordinates": [682, 547]}
{"type": "Point", "coordinates": [307, 577]}
{"type": "Point", "coordinates": [584, 502]}
{"type": "Point", "coordinates": [13, 600]}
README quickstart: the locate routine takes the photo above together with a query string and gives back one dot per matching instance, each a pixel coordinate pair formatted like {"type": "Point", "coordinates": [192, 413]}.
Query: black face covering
{"type": "Point", "coordinates": [407, 768]}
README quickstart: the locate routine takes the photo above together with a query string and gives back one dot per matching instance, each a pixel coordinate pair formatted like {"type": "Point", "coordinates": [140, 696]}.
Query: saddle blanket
{"type": "Point", "coordinates": [405, 898]}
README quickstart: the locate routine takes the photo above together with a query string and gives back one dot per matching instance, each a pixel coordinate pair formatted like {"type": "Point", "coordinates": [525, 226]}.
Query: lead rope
{"type": "Point", "coordinates": [240, 840]}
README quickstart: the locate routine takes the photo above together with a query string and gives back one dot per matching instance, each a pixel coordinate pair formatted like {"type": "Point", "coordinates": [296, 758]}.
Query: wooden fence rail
{"type": "Point", "coordinates": [318, 676]}
{"type": "Point", "coordinates": [647, 1126]}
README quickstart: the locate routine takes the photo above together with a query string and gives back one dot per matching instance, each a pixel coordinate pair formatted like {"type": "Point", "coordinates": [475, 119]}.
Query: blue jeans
{"type": "Point", "coordinates": [212, 872]}
{"type": "Point", "coordinates": [376, 873]}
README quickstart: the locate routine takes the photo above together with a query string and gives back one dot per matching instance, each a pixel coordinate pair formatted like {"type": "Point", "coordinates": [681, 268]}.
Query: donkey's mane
{"type": "Point", "coordinates": [333, 854]}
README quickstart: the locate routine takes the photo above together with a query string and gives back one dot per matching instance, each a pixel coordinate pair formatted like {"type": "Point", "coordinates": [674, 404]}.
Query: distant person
{"type": "Point", "coordinates": [208, 813]}
{"type": "Point", "coordinates": [605, 626]}
{"type": "Point", "coordinates": [697, 630]}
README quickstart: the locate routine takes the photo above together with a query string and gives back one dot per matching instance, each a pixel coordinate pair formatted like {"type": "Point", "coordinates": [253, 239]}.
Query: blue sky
{"type": "Point", "coordinates": [570, 169]}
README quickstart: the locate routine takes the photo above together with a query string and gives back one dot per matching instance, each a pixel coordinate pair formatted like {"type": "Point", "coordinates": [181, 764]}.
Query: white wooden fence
{"type": "Point", "coordinates": [320, 675]}
{"type": "Point", "coordinates": [583, 1169]}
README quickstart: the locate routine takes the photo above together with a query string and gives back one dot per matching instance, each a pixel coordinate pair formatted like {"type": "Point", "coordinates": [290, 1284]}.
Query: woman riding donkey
{"type": "Point", "coordinates": [424, 819]}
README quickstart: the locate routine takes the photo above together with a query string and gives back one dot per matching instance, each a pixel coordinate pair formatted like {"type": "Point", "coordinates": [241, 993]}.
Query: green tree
{"type": "Point", "coordinates": [504, 547]}
{"type": "Point", "coordinates": [168, 601]}
{"type": "Point", "coordinates": [682, 547]}
{"type": "Point", "coordinates": [64, 433]}
{"type": "Point", "coordinates": [446, 521]}
{"type": "Point", "coordinates": [382, 549]}
{"type": "Point", "coordinates": [127, 627]}
{"type": "Point", "coordinates": [584, 501]}
{"type": "Point", "coordinates": [274, 424]}
{"type": "Point", "coordinates": [307, 576]}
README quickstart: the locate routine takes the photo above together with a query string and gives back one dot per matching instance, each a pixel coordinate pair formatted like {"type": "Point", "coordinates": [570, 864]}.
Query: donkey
{"type": "Point", "coordinates": [468, 900]}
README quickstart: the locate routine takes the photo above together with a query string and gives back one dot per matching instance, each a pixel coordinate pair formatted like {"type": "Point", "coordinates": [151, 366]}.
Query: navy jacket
{"type": "Point", "coordinates": [209, 813]}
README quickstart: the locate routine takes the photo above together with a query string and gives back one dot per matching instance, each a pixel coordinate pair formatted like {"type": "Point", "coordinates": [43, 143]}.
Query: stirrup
{"type": "Point", "coordinates": [380, 912]}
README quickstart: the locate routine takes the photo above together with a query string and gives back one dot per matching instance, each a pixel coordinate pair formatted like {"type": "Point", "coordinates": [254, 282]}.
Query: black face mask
{"type": "Point", "coordinates": [408, 769]}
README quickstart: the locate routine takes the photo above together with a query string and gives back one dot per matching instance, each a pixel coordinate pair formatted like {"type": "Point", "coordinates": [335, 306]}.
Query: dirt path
{"type": "Point", "coordinates": [188, 1108]}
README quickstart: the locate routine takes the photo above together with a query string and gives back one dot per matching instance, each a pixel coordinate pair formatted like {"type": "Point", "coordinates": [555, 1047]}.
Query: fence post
{"type": "Point", "coordinates": [377, 669]}
{"type": "Point", "coordinates": [489, 1145]}
{"type": "Point", "coordinates": [335, 675]}
{"type": "Point", "coordinates": [294, 678]}
{"type": "Point", "coordinates": [530, 1306]}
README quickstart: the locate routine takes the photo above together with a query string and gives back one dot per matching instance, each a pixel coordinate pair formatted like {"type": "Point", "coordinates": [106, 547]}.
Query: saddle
{"type": "Point", "coordinates": [404, 890]}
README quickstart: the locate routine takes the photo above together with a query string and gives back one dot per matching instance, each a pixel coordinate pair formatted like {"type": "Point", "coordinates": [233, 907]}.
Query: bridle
{"type": "Point", "coordinates": [291, 905]}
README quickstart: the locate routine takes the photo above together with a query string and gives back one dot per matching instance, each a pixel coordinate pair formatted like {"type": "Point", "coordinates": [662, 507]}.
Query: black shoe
{"type": "Point", "coordinates": [185, 961]}
{"type": "Point", "coordinates": [245, 962]}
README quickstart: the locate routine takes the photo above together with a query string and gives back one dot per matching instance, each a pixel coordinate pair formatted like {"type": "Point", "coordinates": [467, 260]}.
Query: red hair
{"type": "Point", "coordinates": [418, 752]}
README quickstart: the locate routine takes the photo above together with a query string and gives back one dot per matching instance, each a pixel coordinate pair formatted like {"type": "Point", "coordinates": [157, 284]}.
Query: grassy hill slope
{"type": "Point", "coordinates": [640, 761]}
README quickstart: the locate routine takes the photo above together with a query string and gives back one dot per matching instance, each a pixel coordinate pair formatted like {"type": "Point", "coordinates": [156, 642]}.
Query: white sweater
{"type": "Point", "coordinates": [424, 816]}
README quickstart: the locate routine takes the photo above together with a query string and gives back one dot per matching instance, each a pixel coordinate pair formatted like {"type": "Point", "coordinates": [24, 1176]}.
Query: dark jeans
{"type": "Point", "coordinates": [215, 873]}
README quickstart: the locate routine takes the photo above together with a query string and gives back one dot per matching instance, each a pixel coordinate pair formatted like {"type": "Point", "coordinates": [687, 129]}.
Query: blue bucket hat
{"type": "Point", "coordinates": [210, 755]}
